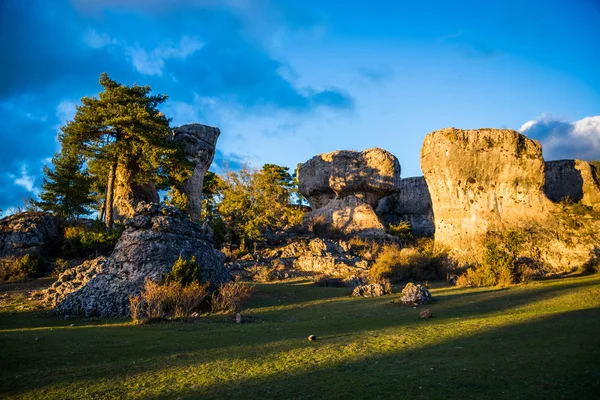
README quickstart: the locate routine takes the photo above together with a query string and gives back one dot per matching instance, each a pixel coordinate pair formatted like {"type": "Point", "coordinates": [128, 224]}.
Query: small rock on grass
{"type": "Point", "coordinates": [426, 313]}
{"type": "Point", "coordinates": [312, 338]}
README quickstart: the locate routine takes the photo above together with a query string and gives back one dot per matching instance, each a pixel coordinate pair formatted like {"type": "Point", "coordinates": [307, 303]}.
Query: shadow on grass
{"type": "Point", "coordinates": [83, 353]}
{"type": "Point", "coordinates": [555, 357]}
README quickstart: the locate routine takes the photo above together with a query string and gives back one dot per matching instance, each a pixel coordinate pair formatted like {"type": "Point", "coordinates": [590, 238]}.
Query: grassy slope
{"type": "Point", "coordinates": [537, 341]}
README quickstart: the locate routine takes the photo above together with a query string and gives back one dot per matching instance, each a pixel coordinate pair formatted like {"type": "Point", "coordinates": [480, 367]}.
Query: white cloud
{"type": "Point", "coordinates": [153, 62]}
{"type": "Point", "coordinates": [26, 181]}
{"type": "Point", "coordinates": [566, 140]}
{"type": "Point", "coordinates": [97, 40]}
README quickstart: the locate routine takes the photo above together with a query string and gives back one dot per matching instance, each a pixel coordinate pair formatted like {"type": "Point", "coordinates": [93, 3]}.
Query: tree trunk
{"type": "Point", "coordinates": [110, 191]}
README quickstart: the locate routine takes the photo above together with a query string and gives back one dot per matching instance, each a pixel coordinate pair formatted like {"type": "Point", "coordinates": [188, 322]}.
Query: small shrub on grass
{"type": "Point", "coordinates": [184, 272]}
{"type": "Point", "coordinates": [403, 264]}
{"type": "Point", "coordinates": [21, 269]}
{"type": "Point", "coordinates": [170, 300]}
{"type": "Point", "coordinates": [231, 297]}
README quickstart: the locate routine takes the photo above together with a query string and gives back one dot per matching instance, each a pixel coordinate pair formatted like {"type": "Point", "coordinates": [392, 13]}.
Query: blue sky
{"type": "Point", "coordinates": [285, 80]}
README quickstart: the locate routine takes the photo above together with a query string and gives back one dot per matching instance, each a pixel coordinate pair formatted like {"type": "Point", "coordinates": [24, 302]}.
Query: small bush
{"type": "Point", "coordinates": [231, 297]}
{"type": "Point", "coordinates": [402, 230]}
{"type": "Point", "coordinates": [264, 274]}
{"type": "Point", "coordinates": [20, 269]}
{"type": "Point", "coordinates": [403, 264]}
{"type": "Point", "coordinates": [170, 300]}
{"type": "Point", "coordinates": [365, 249]}
{"type": "Point", "coordinates": [60, 266]}
{"type": "Point", "coordinates": [184, 272]}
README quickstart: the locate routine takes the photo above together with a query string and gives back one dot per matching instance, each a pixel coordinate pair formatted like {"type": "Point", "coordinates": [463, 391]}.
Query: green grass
{"type": "Point", "coordinates": [539, 341]}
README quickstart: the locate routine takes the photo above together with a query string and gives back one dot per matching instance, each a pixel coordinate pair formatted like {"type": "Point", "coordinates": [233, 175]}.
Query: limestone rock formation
{"type": "Point", "coordinates": [153, 240]}
{"type": "Point", "coordinates": [29, 232]}
{"type": "Point", "coordinates": [412, 203]}
{"type": "Point", "coordinates": [128, 194]}
{"type": "Point", "coordinates": [415, 295]}
{"type": "Point", "coordinates": [342, 188]}
{"type": "Point", "coordinates": [579, 180]}
{"type": "Point", "coordinates": [482, 180]}
{"type": "Point", "coordinates": [198, 142]}
{"type": "Point", "coordinates": [369, 290]}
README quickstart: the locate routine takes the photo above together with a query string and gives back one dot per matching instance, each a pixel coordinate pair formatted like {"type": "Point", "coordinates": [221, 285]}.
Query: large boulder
{"type": "Point", "coordinates": [368, 175]}
{"type": "Point", "coordinates": [29, 232]}
{"type": "Point", "coordinates": [482, 180]}
{"type": "Point", "coordinates": [579, 180]}
{"type": "Point", "coordinates": [198, 142]}
{"type": "Point", "coordinates": [153, 240]}
{"type": "Point", "coordinates": [342, 188]}
{"type": "Point", "coordinates": [412, 203]}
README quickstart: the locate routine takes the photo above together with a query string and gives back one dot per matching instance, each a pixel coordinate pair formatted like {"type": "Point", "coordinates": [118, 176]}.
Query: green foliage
{"type": "Point", "coordinates": [177, 199]}
{"type": "Point", "coordinates": [399, 265]}
{"type": "Point", "coordinates": [402, 230]}
{"type": "Point", "coordinates": [80, 241]}
{"type": "Point", "coordinates": [20, 269]}
{"type": "Point", "coordinates": [254, 201]}
{"type": "Point", "coordinates": [66, 190]}
{"type": "Point", "coordinates": [184, 272]}
{"type": "Point", "coordinates": [123, 127]}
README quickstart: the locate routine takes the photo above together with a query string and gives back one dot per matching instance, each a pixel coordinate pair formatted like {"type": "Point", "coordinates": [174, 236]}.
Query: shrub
{"type": "Point", "coordinates": [20, 269]}
{"type": "Point", "coordinates": [365, 249]}
{"type": "Point", "coordinates": [263, 273]}
{"type": "Point", "coordinates": [403, 264]}
{"type": "Point", "coordinates": [170, 300]}
{"type": "Point", "coordinates": [184, 272]}
{"type": "Point", "coordinates": [60, 266]}
{"type": "Point", "coordinates": [328, 281]}
{"type": "Point", "coordinates": [231, 297]}
{"type": "Point", "coordinates": [402, 230]}
{"type": "Point", "coordinates": [79, 241]}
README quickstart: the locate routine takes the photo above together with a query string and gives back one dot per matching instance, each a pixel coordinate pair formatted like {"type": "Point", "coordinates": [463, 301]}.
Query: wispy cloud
{"type": "Point", "coordinates": [26, 181]}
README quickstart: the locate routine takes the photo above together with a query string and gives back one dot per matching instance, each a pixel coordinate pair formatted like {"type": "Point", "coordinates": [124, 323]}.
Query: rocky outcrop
{"type": "Point", "coordinates": [415, 295]}
{"type": "Point", "coordinates": [198, 142]}
{"type": "Point", "coordinates": [482, 180]}
{"type": "Point", "coordinates": [370, 290]}
{"type": "Point", "coordinates": [29, 232]}
{"type": "Point", "coordinates": [579, 180]}
{"type": "Point", "coordinates": [153, 240]}
{"type": "Point", "coordinates": [412, 203]}
{"type": "Point", "coordinates": [342, 188]}
{"type": "Point", "coordinates": [129, 193]}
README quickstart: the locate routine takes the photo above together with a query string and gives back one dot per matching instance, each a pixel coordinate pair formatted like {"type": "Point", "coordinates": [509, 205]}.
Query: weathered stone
{"type": "Point", "coordinates": [412, 203]}
{"type": "Point", "coordinates": [198, 142]}
{"type": "Point", "coordinates": [29, 232]}
{"type": "Point", "coordinates": [426, 313]}
{"type": "Point", "coordinates": [369, 290]}
{"type": "Point", "coordinates": [579, 180]}
{"type": "Point", "coordinates": [153, 240]}
{"type": "Point", "coordinates": [128, 193]}
{"type": "Point", "coordinates": [482, 180]}
{"type": "Point", "coordinates": [368, 175]}
{"type": "Point", "coordinates": [415, 294]}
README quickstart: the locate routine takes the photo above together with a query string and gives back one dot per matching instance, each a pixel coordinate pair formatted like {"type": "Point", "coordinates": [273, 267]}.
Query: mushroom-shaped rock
{"type": "Point", "coordinates": [198, 142]}
{"type": "Point", "coordinates": [368, 175]}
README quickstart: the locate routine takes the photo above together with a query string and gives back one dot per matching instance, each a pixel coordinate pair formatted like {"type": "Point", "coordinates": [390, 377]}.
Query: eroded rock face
{"type": "Point", "coordinates": [412, 203]}
{"type": "Point", "coordinates": [342, 188]}
{"type": "Point", "coordinates": [29, 232]}
{"type": "Point", "coordinates": [368, 175]}
{"type": "Point", "coordinates": [579, 180]}
{"type": "Point", "coordinates": [199, 143]}
{"type": "Point", "coordinates": [482, 180]}
{"type": "Point", "coordinates": [153, 240]}
{"type": "Point", "coordinates": [128, 194]}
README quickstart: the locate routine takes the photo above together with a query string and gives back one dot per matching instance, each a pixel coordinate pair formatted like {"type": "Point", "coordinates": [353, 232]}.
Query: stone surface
{"type": "Point", "coordinates": [368, 175]}
{"type": "Point", "coordinates": [369, 290]}
{"type": "Point", "coordinates": [342, 188]}
{"type": "Point", "coordinates": [482, 180]}
{"type": "Point", "coordinates": [412, 203]}
{"type": "Point", "coordinates": [579, 180]}
{"type": "Point", "coordinates": [153, 240]}
{"type": "Point", "coordinates": [426, 313]}
{"type": "Point", "coordinates": [198, 142]}
{"type": "Point", "coordinates": [29, 232]}
{"type": "Point", "coordinates": [415, 294]}
{"type": "Point", "coordinates": [128, 194]}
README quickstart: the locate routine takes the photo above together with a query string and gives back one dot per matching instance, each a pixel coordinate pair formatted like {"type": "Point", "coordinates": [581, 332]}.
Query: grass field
{"type": "Point", "coordinates": [539, 341]}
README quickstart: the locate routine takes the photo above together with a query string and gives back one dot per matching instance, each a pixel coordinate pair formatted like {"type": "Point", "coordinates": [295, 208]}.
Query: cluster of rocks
{"type": "Point", "coordinates": [153, 240]}
{"type": "Point", "coordinates": [29, 232]}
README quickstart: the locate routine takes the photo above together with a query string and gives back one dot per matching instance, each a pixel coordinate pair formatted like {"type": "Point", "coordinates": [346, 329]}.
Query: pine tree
{"type": "Point", "coordinates": [66, 189]}
{"type": "Point", "coordinates": [123, 127]}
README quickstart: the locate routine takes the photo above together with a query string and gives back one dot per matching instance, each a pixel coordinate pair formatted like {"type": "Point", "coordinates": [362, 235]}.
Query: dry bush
{"type": "Point", "coordinates": [21, 269]}
{"type": "Point", "coordinates": [264, 274]}
{"type": "Point", "coordinates": [171, 300]}
{"type": "Point", "coordinates": [403, 264]}
{"type": "Point", "coordinates": [365, 249]}
{"type": "Point", "coordinates": [231, 297]}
